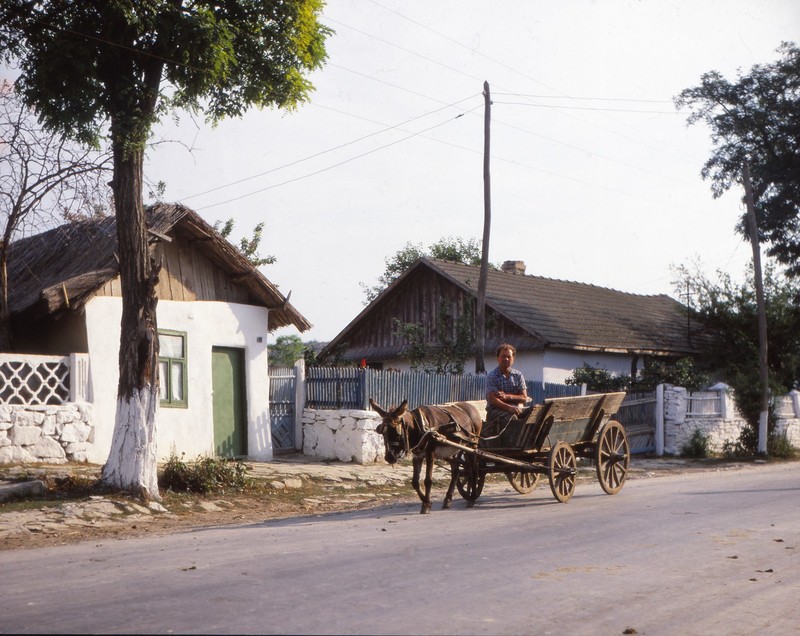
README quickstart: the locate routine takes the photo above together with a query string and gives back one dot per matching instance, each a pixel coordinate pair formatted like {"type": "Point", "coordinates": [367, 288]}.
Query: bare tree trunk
{"type": "Point", "coordinates": [5, 314]}
{"type": "Point", "coordinates": [763, 369]}
{"type": "Point", "coordinates": [132, 462]}
{"type": "Point", "coordinates": [480, 314]}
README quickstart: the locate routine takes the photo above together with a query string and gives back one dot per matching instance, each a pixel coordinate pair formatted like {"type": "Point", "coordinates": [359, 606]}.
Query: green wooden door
{"type": "Point", "coordinates": [230, 419]}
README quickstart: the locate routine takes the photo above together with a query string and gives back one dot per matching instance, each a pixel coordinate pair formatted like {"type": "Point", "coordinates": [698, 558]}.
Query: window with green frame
{"type": "Point", "coordinates": [172, 368]}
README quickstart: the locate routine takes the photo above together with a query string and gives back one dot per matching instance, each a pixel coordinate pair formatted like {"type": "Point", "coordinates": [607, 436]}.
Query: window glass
{"type": "Point", "coordinates": [170, 346]}
{"type": "Point", "coordinates": [176, 381]}
{"type": "Point", "coordinates": [172, 369]}
{"type": "Point", "coordinates": [163, 383]}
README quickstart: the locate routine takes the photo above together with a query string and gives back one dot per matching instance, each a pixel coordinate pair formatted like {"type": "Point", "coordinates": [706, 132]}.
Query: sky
{"type": "Point", "coordinates": [595, 177]}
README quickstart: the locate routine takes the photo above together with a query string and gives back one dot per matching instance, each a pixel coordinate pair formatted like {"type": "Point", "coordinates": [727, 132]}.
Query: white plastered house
{"type": "Point", "coordinates": [215, 311]}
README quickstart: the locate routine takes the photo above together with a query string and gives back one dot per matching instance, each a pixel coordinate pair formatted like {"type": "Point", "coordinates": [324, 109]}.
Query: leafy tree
{"type": "Point", "coordinates": [728, 312]}
{"type": "Point", "coordinates": [286, 351]}
{"type": "Point", "coordinates": [455, 250]}
{"type": "Point", "coordinates": [756, 120]}
{"type": "Point", "coordinates": [40, 175]}
{"type": "Point", "coordinates": [124, 63]}
{"type": "Point", "coordinates": [248, 247]}
{"type": "Point", "coordinates": [453, 345]}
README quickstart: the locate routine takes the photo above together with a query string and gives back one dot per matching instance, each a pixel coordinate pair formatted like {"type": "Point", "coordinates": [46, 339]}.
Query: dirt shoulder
{"type": "Point", "coordinates": [70, 511]}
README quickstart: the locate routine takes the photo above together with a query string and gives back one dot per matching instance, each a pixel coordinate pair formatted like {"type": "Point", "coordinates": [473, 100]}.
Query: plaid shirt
{"type": "Point", "coordinates": [514, 384]}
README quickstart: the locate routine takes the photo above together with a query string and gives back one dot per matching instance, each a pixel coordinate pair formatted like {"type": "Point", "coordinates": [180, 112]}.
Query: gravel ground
{"type": "Point", "coordinates": [66, 511]}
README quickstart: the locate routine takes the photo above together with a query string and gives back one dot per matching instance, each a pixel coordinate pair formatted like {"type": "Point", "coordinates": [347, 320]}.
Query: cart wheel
{"type": "Point", "coordinates": [612, 457]}
{"type": "Point", "coordinates": [562, 471]}
{"type": "Point", "coordinates": [470, 479]}
{"type": "Point", "coordinates": [522, 481]}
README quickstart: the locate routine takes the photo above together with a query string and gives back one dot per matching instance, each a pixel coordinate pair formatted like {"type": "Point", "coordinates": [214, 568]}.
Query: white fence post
{"type": "Point", "coordinates": [299, 402]}
{"type": "Point", "coordinates": [659, 434]}
{"type": "Point", "coordinates": [78, 377]}
{"type": "Point", "coordinates": [795, 395]}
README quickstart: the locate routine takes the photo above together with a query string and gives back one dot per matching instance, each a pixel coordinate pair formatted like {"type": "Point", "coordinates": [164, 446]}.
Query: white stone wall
{"type": "Point", "coordinates": [346, 435]}
{"type": "Point", "coordinates": [678, 428]}
{"type": "Point", "coordinates": [48, 434]}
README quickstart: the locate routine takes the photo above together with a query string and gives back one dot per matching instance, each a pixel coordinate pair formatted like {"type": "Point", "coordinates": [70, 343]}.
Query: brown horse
{"type": "Point", "coordinates": [407, 431]}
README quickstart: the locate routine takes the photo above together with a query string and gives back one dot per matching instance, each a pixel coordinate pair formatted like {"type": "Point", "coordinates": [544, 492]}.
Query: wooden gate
{"type": "Point", "coordinates": [638, 415]}
{"type": "Point", "coordinates": [282, 383]}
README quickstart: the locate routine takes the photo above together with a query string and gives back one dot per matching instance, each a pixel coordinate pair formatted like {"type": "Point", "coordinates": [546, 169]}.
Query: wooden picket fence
{"type": "Point", "coordinates": [349, 387]}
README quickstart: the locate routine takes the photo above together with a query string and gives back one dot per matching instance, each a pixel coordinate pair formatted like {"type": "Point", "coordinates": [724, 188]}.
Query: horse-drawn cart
{"type": "Point", "coordinates": [549, 442]}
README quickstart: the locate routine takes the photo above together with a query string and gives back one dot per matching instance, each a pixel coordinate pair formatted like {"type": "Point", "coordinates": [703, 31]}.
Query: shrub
{"type": "Point", "coordinates": [778, 446]}
{"type": "Point", "coordinates": [204, 475]}
{"type": "Point", "coordinates": [697, 446]}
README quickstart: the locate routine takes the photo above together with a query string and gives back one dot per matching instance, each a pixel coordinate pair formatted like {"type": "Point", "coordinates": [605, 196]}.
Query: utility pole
{"type": "Point", "coordinates": [762, 313]}
{"type": "Point", "coordinates": [480, 313]}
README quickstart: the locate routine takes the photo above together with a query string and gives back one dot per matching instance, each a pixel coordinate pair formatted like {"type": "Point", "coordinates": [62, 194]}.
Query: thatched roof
{"type": "Point", "coordinates": [61, 269]}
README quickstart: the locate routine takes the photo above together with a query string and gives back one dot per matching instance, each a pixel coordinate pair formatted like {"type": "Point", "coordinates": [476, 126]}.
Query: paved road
{"type": "Point", "coordinates": [711, 553]}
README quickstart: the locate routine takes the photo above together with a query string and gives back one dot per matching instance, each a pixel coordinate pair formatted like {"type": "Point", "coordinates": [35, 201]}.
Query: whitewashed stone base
{"type": "Point", "coordinates": [347, 436]}
{"type": "Point", "coordinates": [679, 428]}
{"type": "Point", "coordinates": [46, 434]}
{"type": "Point", "coordinates": [791, 429]}
{"type": "Point", "coordinates": [716, 431]}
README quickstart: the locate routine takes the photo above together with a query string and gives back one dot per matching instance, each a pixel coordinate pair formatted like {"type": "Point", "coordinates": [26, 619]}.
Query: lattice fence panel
{"type": "Point", "coordinates": [34, 380]}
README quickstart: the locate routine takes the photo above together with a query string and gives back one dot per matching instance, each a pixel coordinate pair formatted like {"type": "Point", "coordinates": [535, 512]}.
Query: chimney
{"type": "Point", "coordinates": [513, 267]}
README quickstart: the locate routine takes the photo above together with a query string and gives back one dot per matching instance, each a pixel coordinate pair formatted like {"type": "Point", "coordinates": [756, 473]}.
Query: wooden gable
{"type": "Point", "coordinates": [420, 298]}
{"type": "Point", "coordinates": [188, 274]}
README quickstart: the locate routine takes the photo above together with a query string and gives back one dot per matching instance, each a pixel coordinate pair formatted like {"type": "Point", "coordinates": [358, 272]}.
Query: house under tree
{"type": "Point", "coordinates": [556, 326]}
{"type": "Point", "coordinates": [215, 311]}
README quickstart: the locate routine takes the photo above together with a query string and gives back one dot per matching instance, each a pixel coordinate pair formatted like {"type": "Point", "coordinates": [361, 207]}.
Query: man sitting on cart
{"type": "Point", "coordinates": [506, 392]}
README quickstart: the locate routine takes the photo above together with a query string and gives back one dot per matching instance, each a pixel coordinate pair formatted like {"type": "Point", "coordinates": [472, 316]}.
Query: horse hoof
{"type": "Point", "coordinates": [445, 505]}
{"type": "Point", "coordinates": [425, 510]}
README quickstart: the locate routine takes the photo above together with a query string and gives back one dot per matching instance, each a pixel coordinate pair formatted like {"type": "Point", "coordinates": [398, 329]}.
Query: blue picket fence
{"type": "Point", "coordinates": [352, 388]}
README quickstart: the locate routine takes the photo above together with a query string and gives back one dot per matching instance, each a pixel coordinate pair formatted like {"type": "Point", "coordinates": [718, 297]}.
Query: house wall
{"type": "Point", "coordinates": [550, 365]}
{"type": "Point", "coordinates": [207, 325]}
{"type": "Point", "coordinates": [558, 364]}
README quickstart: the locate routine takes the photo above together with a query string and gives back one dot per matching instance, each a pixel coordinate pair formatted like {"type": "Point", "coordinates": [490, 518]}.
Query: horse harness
{"type": "Point", "coordinates": [419, 419]}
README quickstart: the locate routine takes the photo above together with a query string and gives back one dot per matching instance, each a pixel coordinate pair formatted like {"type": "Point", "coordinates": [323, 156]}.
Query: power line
{"type": "Point", "coordinates": [593, 108]}
{"type": "Point", "coordinates": [331, 167]}
{"type": "Point", "coordinates": [328, 150]}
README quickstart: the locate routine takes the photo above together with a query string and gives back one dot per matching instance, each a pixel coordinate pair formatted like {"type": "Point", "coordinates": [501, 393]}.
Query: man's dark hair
{"type": "Point", "coordinates": [504, 346]}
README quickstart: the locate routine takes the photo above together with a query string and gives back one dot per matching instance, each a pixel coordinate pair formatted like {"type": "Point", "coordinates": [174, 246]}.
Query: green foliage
{"type": "Point", "coordinates": [756, 119]}
{"type": "Point", "coordinates": [728, 313]}
{"type": "Point", "coordinates": [453, 345]}
{"type": "Point", "coordinates": [682, 372]}
{"type": "Point", "coordinates": [778, 446]}
{"type": "Point", "coordinates": [286, 351]}
{"type": "Point", "coordinates": [455, 250]}
{"type": "Point", "coordinates": [746, 446]}
{"type": "Point", "coordinates": [220, 58]}
{"type": "Point", "coordinates": [248, 247]}
{"type": "Point", "coordinates": [697, 446]}
{"type": "Point", "coordinates": [597, 379]}
{"type": "Point", "coordinates": [205, 475]}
